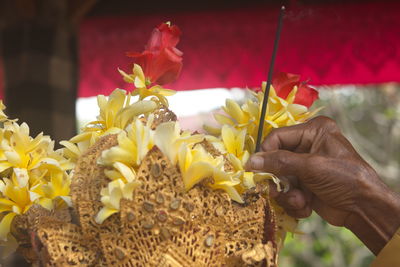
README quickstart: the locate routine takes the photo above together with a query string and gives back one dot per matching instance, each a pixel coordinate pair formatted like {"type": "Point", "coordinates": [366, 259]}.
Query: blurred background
{"type": "Point", "coordinates": [57, 55]}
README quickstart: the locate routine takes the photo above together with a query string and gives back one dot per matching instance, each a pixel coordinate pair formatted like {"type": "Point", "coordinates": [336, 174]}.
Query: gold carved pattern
{"type": "Point", "coordinates": [161, 226]}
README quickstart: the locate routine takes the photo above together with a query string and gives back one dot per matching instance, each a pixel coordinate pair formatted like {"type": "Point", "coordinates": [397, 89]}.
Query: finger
{"type": "Point", "coordinates": [292, 180]}
{"type": "Point", "coordinates": [287, 138]}
{"type": "Point", "coordinates": [307, 193]}
{"type": "Point", "coordinates": [294, 199]}
{"type": "Point", "coordinates": [273, 190]}
{"type": "Point", "coordinates": [280, 162]}
{"type": "Point", "coordinates": [301, 213]}
{"type": "Point", "coordinates": [299, 137]}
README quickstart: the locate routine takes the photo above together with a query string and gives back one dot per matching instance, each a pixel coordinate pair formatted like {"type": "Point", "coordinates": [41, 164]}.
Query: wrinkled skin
{"type": "Point", "coordinates": [326, 175]}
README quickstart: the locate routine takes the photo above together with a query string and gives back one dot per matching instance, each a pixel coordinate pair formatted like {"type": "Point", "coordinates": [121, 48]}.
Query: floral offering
{"type": "Point", "coordinates": [140, 176]}
{"type": "Point", "coordinates": [32, 172]}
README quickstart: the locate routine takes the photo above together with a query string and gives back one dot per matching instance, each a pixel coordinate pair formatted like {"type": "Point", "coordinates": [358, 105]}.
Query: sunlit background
{"type": "Point", "coordinates": [57, 55]}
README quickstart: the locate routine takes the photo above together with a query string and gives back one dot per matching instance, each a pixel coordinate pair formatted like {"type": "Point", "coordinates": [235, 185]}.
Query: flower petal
{"type": "Point", "coordinates": [5, 225]}
{"type": "Point", "coordinates": [103, 214]}
{"type": "Point", "coordinates": [126, 171]}
{"type": "Point", "coordinates": [222, 119]}
{"type": "Point", "coordinates": [197, 172]}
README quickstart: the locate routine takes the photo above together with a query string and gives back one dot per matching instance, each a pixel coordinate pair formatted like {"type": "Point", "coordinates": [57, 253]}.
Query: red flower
{"type": "Point", "coordinates": [161, 61]}
{"type": "Point", "coordinates": [283, 84]}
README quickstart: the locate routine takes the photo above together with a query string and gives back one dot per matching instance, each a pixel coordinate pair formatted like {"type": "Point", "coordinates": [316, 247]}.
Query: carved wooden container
{"type": "Point", "coordinates": [161, 226]}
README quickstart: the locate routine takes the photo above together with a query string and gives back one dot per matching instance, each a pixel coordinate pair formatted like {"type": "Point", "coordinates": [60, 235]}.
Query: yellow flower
{"type": "Point", "coordinates": [280, 112]}
{"type": "Point", "coordinates": [5, 226]}
{"type": "Point", "coordinates": [168, 137]}
{"type": "Point", "coordinates": [111, 197]}
{"type": "Point", "coordinates": [238, 132]}
{"type": "Point", "coordinates": [3, 116]}
{"type": "Point", "coordinates": [141, 83]}
{"type": "Point", "coordinates": [15, 198]}
{"type": "Point", "coordinates": [181, 147]}
{"type": "Point", "coordinates": [58, 187]}
{"type": "Point", "coordinates": [133, 144]}
{"type": "Point", "coordinates": [158, 91]}
{"type": "Point", "coordinates": [116, 113]}
{"type": "Point", "coordinates": [32, 172]}
{"type": "Point", "coordinates": [228, 182]}
{"type": "Point", "coordinates": [136, 77]}
{"type": "Point", "coordinates": [121, 171]}
{"type": "Point", "coordinates": [234, 141]}
{"type": "Point", "coordinates": [197, 165]}
{"type": "Point", "coordinates": [236, 153]}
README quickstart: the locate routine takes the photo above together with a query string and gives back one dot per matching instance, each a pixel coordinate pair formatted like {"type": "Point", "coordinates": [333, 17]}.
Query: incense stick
{"type": "Point", "coordinates": [267, 88]}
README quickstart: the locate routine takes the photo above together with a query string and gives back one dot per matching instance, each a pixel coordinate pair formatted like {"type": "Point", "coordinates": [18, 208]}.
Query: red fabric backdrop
{"type": "Point", "coordinates": [328, 44]}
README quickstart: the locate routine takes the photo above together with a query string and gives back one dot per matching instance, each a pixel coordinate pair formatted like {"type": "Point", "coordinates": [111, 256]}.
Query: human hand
{"type": "Point", "coordinates": [328, 176]}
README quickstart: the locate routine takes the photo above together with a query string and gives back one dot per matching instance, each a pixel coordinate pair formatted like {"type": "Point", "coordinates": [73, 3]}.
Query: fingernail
{"type": "Point", "coordinates": [257, 162]}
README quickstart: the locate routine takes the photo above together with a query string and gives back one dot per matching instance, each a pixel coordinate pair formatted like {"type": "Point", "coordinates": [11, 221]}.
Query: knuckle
{"type": "Point", "coordinates": [326, 123]}
{"type": "Point", "coordinates": [279, 161]}
{"type": "Point", "coordinates": [280, 158]}
{"type": "Point", "coordinates": [271, 139]}
{"type": "Point", "coordinates": [272, 132]}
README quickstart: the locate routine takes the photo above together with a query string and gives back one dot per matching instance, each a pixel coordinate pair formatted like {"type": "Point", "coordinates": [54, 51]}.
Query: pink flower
{"type": "Point", "coordinates": [283, 84]}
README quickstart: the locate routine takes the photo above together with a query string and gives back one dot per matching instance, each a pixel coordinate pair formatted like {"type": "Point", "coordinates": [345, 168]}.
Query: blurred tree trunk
{"type": "Point", "coordinates": [39, 48]}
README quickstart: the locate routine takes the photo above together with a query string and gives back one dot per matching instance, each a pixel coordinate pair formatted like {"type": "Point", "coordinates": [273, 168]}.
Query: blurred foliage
{"type": "Point", "coordinates": [323, 245]}
{"type": "Point", "coordinates": [370, 118]}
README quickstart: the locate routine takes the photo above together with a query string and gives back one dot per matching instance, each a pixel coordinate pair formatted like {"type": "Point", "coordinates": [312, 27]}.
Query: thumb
{"type": "Point", "coordinates": [279, 162]}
